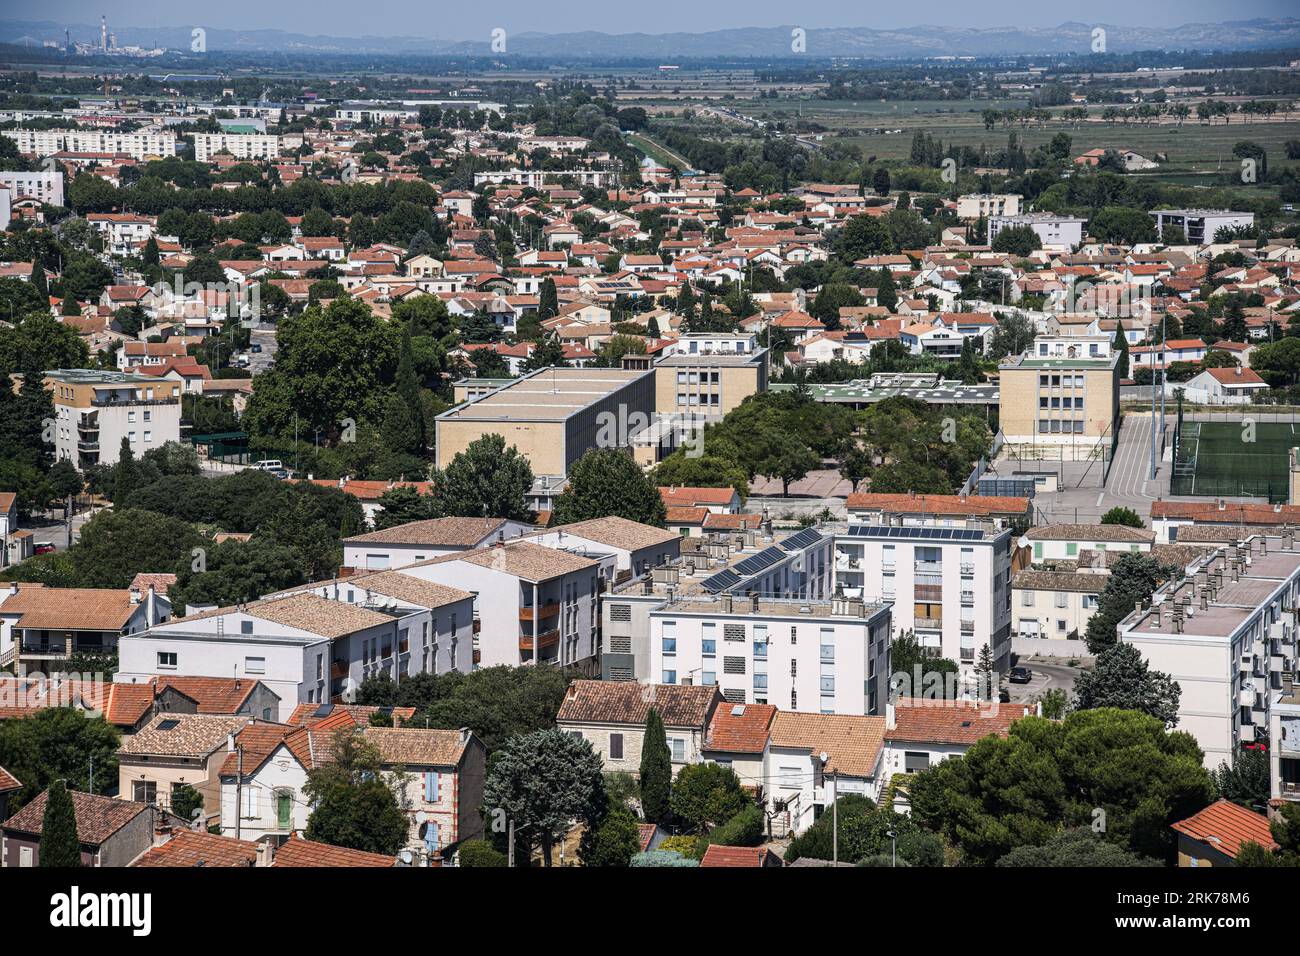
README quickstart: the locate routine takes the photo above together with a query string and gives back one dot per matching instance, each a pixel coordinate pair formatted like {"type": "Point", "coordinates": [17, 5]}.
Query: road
{"type": "Point", "coordinates": [1047, 676]}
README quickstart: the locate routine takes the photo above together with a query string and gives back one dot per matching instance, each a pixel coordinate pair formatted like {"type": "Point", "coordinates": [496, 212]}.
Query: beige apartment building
{"type": "Point", "coordinates": [1061, 396]}
{"type": "Point", "coordinates": [1053, 606]}
{"type": "Point", "coordinates": [553, 416]}
{"type": "Point", "coordinates": [708, 384]}
{"type": "Point", "coordinates": [983, 205]}
{"type": "Point", "coordinates": [94, 410]}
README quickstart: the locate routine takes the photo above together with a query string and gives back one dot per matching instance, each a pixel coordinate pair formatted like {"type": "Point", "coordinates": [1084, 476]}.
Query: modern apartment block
{"type": "Point", "coordinates": [1062, 393]}
{"type": "Point", "coordinates": [983, 205]}
{"type": "Point", "coordinates": [147, 143]}
{"type": "Point", "coordinates": [238, 145]}
{"type": "Point", "coordinates": [742, 564]}
{"type": "Point", "coordinates": [1200, 225]}
{"type": "Point", "coordinates": [831, 657]}
{"type": "Point", "coordinates": [44, 187]}
{"type": "Point", "coordinates": [1051, 229]}
{"type": "Point", "coordinates": [94, 410]}
{"type": "Point", "coordinates": [950, 586]}
{"type": "Point", "coordinates": [1226, 632]}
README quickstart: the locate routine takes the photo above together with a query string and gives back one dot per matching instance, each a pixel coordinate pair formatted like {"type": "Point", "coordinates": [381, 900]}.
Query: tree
{"type": "Point", "coordinates": [1133, 578]}
{"type": "Point", "coordinates": [1123, 679]}
{"type": "Point", "coordinates": [1120, 345]}
{"type": "Point", "coordinates": [916, 673]}
{"type": "Point", "coordinates": [401, 505]}
{"type": "Point", "coordinates": [1017, 241]}
{"type": "Point", "coordinates": [606, 481]}
{"type": "Point", "coordinates": [1022, 789]}
{"type": "Point", "coordinates": [700, 471]}
{"type": "Point", "coordinates": [1123, 224]}
{"type": "Point", "coordinates": [616, 841]}
{"type": "Point", "coordinates": [480, 853]}
{"type": "Point", "coordinates": [60, 846]}
{"type": "Point", "coordinates": [544, 782]}
{"type": "Point", "coordinates": [1013, 335]}
{"type": "Point", "coordinates": [548, 301]}
{"type": "Point", "coordinates": [707, 794]}
{"type": "Point", "coordinates": [185, 800]}
{"type": "Point", "coordinates": [656, 770]}
{"type": "Point", "coordinates": [58, 743]}
{"type": "Point", "coordinates": [856, 466]}
{"type": "Point", "coordinates": [863, 237]}
{"type": "Point", "coordinates": [1122, 516]}
{"type": "Point", "coordinates": [1076, 847]}
{"type": "Point", "coordinates": [486, 480]}
{"type": "Point", "coordinates": [1246, 781]}
{"type": "Point", "coordinates": [352, 803]}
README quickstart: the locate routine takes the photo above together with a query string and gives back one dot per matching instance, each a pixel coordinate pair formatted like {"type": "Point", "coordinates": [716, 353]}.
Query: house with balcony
{"type": "Point", "coordinates": [636, 547]}
{"type": "Point", "coordinates": [417, 541]}
{"type": "Point", "coordinates": [41, 626]}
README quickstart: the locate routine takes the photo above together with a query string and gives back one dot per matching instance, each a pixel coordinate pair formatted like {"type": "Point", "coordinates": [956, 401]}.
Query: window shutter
{"type": "Point", "coordinates": [250, 801]}
{"type": "Point", "coordinates": [431, 786]}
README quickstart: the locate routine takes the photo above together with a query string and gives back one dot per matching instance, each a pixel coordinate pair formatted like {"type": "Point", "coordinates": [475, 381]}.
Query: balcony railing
{"type": "Point", "coordinates": [541, 612]}
{"type": "Point", "coordinates": [928, 567]}
{"type": "Point", "coordinates": [338, 670]}
{"type": "Point", "coordinates": [968, 627]}
{"type": "Point", "coordinates": [967, 567]}
{"type": "Point", "coordinates": [928, 623]}
{"type": "Point", "coordinates": [929, 592]}
{"type": "Point", "coordinates": [547, 639]}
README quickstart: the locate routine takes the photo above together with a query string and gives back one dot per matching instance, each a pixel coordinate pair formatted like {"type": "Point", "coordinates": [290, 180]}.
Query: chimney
{"type": "Point", "coordinates": [265, 853]}
{"type": "Point", "coordinates": [891, 716]}
{"type": "Point", "coordinates": [465, 734]}
{"type": "Point", "coordinates": [134, 595]}
{"type": "Point", "coordinates": [753, 603]}
{"type": "Point", "coordinates": [230, 743]}
{"type": "Point", "coordinates": [572, 692]}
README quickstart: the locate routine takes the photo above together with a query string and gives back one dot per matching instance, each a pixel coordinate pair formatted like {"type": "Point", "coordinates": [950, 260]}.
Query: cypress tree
{"type": "Point", "coordinates": [39, 282]}
{"type": "Point", "coordinates": [124, 474]}
{"type": "Point", "coordinates": [60, 846]}
{"type": "Point", "coordinates": [548, 302]}
{"type": "Point", "coordinates": [656, 770]}
{"type": "Point", "coordinates": [1120, 345]}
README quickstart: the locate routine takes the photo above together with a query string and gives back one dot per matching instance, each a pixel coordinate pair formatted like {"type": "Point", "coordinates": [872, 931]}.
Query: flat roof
{"type": "Point", "coordinates": [90, 376]}
{"type": "Point", "coordinates": [861, 390]}
{"type": "Point", "coordinates": [549, 394]}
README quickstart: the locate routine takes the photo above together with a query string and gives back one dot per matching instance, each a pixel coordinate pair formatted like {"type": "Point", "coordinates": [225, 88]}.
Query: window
{"type": "Point", "coordinates": [167, 659]}
{"type": "Point", "coordinates": [670, 677]}
{"type": "Point", "coordinates": [254, 665]}
{"type": "Point", "coordinates": [914, 762]}
{"type": "Point", "coordinates": [245, 627]}
{"type": "Point", "coordinates": [615, 746]}
{"type": "Point", "coordinates": [709, 647]}
{"type": "Point", "coordinates": [678, 746]}
{"type": "Point", "coordinates": [144, 791]}
{"type": "Point", "coordinates": [791, 778]}
{"type": "Point", "coordinates": [1071, 549]}
{"type": "Point", "coordinates": [432, 786]}
{"type": "Point", "coordinates": [670, 646]}
{"type": "Point", "coordinates": [1061, 599]}
{"type": "Point", "coordinates": [148, 435]}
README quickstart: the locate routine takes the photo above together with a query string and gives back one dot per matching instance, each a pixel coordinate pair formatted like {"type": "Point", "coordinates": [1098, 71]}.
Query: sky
{"type": "Point", "coordinates": [459, 21]}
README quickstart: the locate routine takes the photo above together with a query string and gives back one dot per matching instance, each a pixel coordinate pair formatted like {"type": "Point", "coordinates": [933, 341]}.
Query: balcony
{"type": "Point", "coordinates": [967, 597]}
{"type": "Point", "coordinates": [968, 627]}
{"type": "Point", "coordinates": [928, 623]}
{"type": "Point", "coordinates": [967, 567]}
{"type": "Point", "coordinates": [929, 592]}
{"type": "Point", "coordinates": [338, 670]}
{"type": "Point", "coordinates": [541, 612]}
{"type": "Point", "coordinates": [545, 640]}
{"type": "Point", "coordinates": [928, 567]}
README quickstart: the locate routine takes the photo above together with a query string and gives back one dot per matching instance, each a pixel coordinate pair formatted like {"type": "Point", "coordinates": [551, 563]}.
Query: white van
{"type": "Point", "coordinates": [269, 464]}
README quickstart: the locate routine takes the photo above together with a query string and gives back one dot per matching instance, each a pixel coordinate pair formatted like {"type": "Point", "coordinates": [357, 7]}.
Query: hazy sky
{"type": "Point", "coordinates": [442, 20]}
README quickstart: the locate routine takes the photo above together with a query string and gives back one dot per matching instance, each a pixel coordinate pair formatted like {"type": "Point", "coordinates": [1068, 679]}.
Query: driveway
{"type": "Point", "coordinates": [1047, 676]}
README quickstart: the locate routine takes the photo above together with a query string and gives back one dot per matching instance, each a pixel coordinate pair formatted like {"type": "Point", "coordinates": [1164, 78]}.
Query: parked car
{"type": "Point", "coordinates": [44, 547]}
{"type": "Point", "coordinates": [255, 347]}
{"type": "Point", "coordinates": [269, 464]}
{"type": "Point", "coordinates": [1020, 675]}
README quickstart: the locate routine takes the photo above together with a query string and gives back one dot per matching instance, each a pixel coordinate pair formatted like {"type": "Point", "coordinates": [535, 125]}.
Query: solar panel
{"type": "Point", "coordinates": [759, 562]}
{"type": "Point", "coordinates": [923, 534]}
{"type": "Point", "coordinates": [801, 540]}
{"type": "Point", "coordinates": [720, 581]}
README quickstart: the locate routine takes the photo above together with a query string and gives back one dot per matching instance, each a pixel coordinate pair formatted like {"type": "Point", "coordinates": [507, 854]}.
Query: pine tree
{"type": "Point", "coordinates": [656, 770]}
{"type": "Point", "coordinates": [60, 846]}
{"type": "Point", "coordinates": [150, 255]}
{"type": "Point", "coordinates": [408, 387]}
{"type": "Point", "coordinates": [125, 474]}
{"type": "Point", "coordinates": [986, 673]}
{"type": "Point", "coordinates": [38, 278]}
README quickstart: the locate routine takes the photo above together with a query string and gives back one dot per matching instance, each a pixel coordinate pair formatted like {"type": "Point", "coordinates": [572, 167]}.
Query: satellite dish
{"type": "Point", "coordinates": [825, 757]}
{"type": "Point", "coordinates": [421, 817]}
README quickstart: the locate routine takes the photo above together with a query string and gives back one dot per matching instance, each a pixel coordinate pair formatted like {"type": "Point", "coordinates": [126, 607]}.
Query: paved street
{"type": "Point", "coordinates": [1047, 675]}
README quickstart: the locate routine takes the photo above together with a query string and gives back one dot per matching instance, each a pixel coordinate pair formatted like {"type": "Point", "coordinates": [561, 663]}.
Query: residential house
{"type": "Point", "coordinates": [174, 751]}
{"type": "Point", "coordinates": [1214, 836]}
{"type": "Point", "coordinates": [112, 832]}
{"type": "Point", "coordinates": [815, 758]}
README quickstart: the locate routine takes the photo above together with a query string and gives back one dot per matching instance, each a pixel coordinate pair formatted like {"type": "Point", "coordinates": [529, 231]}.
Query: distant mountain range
{"type": "Point", "coordinates": [744, 42]}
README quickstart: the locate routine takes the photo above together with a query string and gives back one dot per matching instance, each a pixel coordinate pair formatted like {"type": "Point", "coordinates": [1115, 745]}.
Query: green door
{"type": "Point", "coordinates": [283, 810]}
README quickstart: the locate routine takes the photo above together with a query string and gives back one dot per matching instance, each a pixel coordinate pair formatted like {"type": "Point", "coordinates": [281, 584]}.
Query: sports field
{"type": "Point", "coordinates": [1234, 458]}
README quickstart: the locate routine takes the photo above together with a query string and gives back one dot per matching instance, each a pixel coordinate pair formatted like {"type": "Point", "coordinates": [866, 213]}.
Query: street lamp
{"type": "Point", "coordinates": [893, 855]}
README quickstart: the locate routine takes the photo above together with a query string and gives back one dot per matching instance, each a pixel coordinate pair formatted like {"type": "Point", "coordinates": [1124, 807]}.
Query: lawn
{"type": "Point", "coordinates": [1220, 458]}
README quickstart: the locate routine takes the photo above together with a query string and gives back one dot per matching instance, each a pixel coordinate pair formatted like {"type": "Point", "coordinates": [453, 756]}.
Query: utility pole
{"type": "Point", "coordinates": [92, 773]}
{"type": "Point", "coordinates": [510, 845]}
{"type": "Point", "coordinates": [835, 818]}
{"type": "Point", "coordinates": [1153, 409]}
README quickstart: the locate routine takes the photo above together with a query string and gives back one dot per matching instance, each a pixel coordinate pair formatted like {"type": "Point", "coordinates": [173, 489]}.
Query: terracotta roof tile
{"type": "Point", "coordinates": [852, 743]}
{"type": "Point", "coordinates": [628, 702]}
{"type": "Point", "coordinates": [182, 735]}
{"type": "Point", "coordinates": [435, 532]}
{"type": "Point", "coordinates": [740, 728]}
{"type": "Point", "coordinates": [951, 722]}
{"type": "Point", "coordinates": [297, 852]}
{"type": "Point", "coordinates": [8, 781]}
{"type": "Point", "coordinates": [937, 504]}
{"type": "Point", "coordinates": [753, 856]}
{"type": "Point", "coordinates": [98, 818]}
{"type": "Point", "coordinates": [1225, 826]}
{"type": "Point", "coordinates": [194, 848]}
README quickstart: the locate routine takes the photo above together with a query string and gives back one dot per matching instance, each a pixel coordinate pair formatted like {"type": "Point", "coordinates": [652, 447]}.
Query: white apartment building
{"type": "Point", "coordinates": [146, 143]}
{"type": "Point", "coordinates": [1063, 542]}
{"type": "Point", "coordinates": [984, 205]}
{"type": "Point", "coordinates": [1226, 632]}
{"type": "Point", "coordinates": [1051, 229]}
{"type": "Point", "coordinates": [1200, 225]}
{"type": "Point", "coordinates": [94, 410]}
{"type": "Point", "coordinates": [1284, 743]}
{"type": "Point", "coordinates": [829, 657]}
{"type": "Point", "coordinates": [533, 603]}
{"type": "Point", "coordinates": [950, 586]}
{"type": "Point", "coordinates": [418, 541]}
{"type": "Point", "coordinates": [239, 145]}
{"type": "Point", "coordinates": [316, 645]}
{"type": "Point", "coordinates": [123, 232]}
{"type": "Point", "coordinates": [44, 187]}
{"type": "Point", "coordinates": [712, 343]}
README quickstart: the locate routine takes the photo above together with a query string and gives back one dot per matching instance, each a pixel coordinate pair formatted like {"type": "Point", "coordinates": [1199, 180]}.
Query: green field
{"type": "Point", "coordinates": [1234, 458]}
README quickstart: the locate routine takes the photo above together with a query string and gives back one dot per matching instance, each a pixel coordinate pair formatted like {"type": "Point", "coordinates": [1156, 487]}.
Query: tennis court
{"type": "Point", "coordinates": [1237, 458]}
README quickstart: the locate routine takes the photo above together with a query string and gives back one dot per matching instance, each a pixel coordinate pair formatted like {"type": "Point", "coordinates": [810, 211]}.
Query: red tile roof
{"type": "Point", "coordinates": [98, 818]}
{"type": "Point", "coordinates": [951, 722]}
{"type": "Point", "coordinates": [627, 702]}
{"type": "Point", "coordinates": [937, 504]}
{"type": "Point", "coordinates": [754, 856]}
{"type": "Point", "coordinates": [1225, 826]}
{"type": "Point", "coordinates": [298, 852]}
{"type": "Point", "coordinates": [740, 728]}
{"type": "Point", "coordinates": [8, 781]}
{"type": "Point", "coordinates": [692, 497]}
{"type": "Point", "coordinates": [194, 848]}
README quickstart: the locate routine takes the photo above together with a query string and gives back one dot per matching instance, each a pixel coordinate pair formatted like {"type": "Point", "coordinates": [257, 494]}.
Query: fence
{"type": "Point", "coordinates": [1225, 454]}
